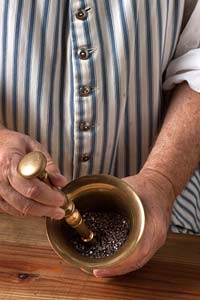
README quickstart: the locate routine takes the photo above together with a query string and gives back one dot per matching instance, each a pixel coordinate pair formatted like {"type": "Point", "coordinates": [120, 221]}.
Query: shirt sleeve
{"type": "Point", "coordinates": [185, 65]}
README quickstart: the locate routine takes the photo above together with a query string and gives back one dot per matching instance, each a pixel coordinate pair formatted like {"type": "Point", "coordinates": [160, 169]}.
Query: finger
{"type": "Point", "coordinates": [34, 188]}
{"type": "Point", "coordinates": [124, 268]}
{"type": "Point", "coordinates": [27, 207]}
{"type": "Point", "coordinates": [57, 179]}
{"type": "Point", "coordinates": [118, 270]}
{"type": "Point", "coordinates": [7, 208]}
{"type": "Point", "coordinates": [37, 190]}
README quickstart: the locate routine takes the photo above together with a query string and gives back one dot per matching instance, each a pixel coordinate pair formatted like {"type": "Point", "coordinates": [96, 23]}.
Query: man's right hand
{"type": "Point", "coordinates": [27, 197]}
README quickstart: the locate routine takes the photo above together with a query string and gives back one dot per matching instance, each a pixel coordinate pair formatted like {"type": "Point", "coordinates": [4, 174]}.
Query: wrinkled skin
{"type": "Point", "coordinates": [27, 197]}
{"type": "Point", "coordinates": [157, 199]}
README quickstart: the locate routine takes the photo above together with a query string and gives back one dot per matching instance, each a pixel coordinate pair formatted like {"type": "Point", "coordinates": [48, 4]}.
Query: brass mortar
{"type": "Point", "coordinates": [100, 193]}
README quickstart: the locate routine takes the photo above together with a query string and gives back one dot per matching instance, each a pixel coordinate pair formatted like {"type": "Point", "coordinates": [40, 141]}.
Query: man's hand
{"type": "Point", "coordinates": [27, 197]}
{"type": "Point", "coordinates": [157, 197]}
{"type": "Point", "coordinates": [173, 159]}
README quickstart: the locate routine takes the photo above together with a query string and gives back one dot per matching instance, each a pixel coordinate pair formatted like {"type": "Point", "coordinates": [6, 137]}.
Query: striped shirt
{"type": "Point", "coordinates": [85, 78]}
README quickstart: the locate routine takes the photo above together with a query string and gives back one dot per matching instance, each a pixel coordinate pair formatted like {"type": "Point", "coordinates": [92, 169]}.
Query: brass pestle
{"type": "Point", "coordinates": [33, 165]}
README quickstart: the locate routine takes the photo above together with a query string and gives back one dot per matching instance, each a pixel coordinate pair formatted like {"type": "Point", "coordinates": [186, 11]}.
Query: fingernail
{"type": "Point", "coordinates": [59, 214]}
{"type": "Point", "coordinates": [100, 273]}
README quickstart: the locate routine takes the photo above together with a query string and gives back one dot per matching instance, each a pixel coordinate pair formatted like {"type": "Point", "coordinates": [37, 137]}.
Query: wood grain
{"type": "Point", "coordinates": [29, 269]}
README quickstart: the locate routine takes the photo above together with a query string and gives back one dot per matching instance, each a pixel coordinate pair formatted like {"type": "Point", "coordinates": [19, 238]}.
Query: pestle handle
{"type": "Point", "coordinates": [33, 165]}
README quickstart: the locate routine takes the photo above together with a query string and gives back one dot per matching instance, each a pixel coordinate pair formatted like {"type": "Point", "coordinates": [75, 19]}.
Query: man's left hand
{"type": "Point", "coordinates": [157, 197]}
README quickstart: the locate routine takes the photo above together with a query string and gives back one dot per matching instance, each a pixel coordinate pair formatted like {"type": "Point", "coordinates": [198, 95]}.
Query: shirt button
{"type": "Point", "coordinates": [85, 126]}
{"type": "Point", "coordinates": [82, 14]}
{"type": "Point", "coordinates": [85, 157]}
{"type": "Point", "coordinates": [83, 53]}
{"type": "Point", "coordinates": [85, 90]}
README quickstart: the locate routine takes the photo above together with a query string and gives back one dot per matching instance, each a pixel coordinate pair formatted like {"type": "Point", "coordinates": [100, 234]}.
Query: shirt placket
{"type": "Point", "coordinates": [83, 89]}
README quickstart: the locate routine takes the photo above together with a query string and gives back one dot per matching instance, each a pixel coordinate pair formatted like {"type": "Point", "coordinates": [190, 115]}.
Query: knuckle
{"type": "Point", "coordinates": [160, 229]}
{"type": "Point", "coordinates": [5, 166]}
{"type": "Point", "coordinates": [28, 140]}
{"type": "Point", "coordinates": [162, 233]}
{"type": "Point", "coordinates": [52, 166]}
{"type": "Point", "coordinates": [163, 237]}
{"type": "Point", "coordinates": [33, 191]}
{"type": "Point", "coordinates": [27, 208]}
{"type": "Point", "coordinates": [4, 205]}
{"type": "Point", "coordinates": [20, 214]}
{"type": "Point", "coordinates": [145, 250]}
{"type": "Point", "coordinates": [138, 266]}
{"type": "Point", "coordinates": [7, 208]}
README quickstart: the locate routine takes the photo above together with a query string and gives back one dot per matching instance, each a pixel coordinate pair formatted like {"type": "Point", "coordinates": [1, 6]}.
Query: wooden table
{"type": "Point", "coordinates": [29, 269]}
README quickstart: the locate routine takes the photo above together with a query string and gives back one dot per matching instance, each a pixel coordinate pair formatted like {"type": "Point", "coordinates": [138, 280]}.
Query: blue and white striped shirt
{"type": "Point", "coordinates": [85, 77]}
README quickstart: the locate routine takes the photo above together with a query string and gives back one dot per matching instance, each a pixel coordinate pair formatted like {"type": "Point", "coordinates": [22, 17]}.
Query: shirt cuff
{"type": "Point", "coordinates": [184, 68]}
